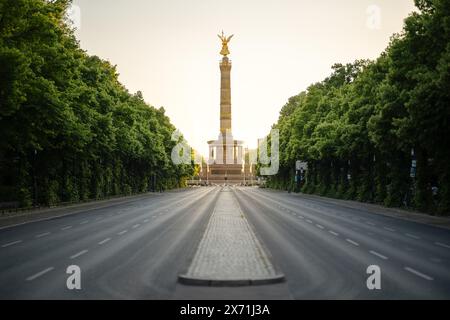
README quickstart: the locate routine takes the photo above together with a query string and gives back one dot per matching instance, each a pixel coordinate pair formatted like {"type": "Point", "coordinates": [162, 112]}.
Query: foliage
{"type": "Point", "coordinates": [70, 131]}
{"type": "Point", "coordinates": [357, 128]}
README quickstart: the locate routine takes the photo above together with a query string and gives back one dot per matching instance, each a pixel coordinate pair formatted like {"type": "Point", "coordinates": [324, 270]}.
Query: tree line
{"type": "Point", "coordinates": [378, 131]}
{"type": "Point", "coordinates": [70, 131]}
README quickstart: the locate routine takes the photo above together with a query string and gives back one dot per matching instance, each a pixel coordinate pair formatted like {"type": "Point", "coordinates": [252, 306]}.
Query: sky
{"type": "Point", "coordinates": [169, 50]}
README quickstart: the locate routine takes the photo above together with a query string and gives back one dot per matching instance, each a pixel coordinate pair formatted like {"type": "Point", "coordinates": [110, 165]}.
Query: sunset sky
{"type": "Point", "coordinates": [169, 50]}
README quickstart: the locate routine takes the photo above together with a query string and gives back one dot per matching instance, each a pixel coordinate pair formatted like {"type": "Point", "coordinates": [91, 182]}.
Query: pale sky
{"type": "Point", "coordinates": [169, 50]}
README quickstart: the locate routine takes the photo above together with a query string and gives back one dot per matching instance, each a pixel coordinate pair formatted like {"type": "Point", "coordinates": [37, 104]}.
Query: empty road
{"type": "Point", "coordinates": [137, 249]}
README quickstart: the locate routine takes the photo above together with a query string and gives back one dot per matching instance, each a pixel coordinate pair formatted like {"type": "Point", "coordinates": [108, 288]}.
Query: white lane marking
{"type": "Point", "coordinates": [442, 245]}
{"type": "Point", "coordinates": [122, 232]}
{"type": "Point", "coordinates": [378, 255]}
{"type": "Point", "coordinates": [389, 229]}
{"type": "Point", "coordinates": [301, 217]}
{"type": "Point", "coordinates": [352, 242]}
{"type": "Point", "coordinates": [334, 233]}
{"type": "Point", "coordinates": [11, 243]}
{"type": "Point", "coordinates": [319, 226]}
{"type": "Point", "coordinates": [370, 223]}
{"type": "Point", "coordinates": [42, 235]}
{"type": "Point", "coordinates": [412, 236]}
{"type": "Point", "coordinates": [309, 221]}
{"type": "Point", "coordinates": [41, 273]}
{"type": "Point", "coordinates": [104, 241]}
{"type": "Point", "coordinates": [420, 274]}
{"type": "Point", "coordinates": [146, 220]}
{"type": "Point", "coordinates": [84, 222]}
{"type": "Point", "coordinates": [136, 225]}
{"type": "Point", "coordinates": [66, 228]}
{"type": "Point", "coordinates": [76, 255]}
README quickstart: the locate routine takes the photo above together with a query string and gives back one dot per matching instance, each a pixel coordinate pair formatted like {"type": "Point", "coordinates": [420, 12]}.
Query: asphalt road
{"type": "Point", "coordinates": [135, 250]}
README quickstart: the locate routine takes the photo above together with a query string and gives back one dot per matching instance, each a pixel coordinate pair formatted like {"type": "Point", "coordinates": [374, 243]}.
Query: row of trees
{"type": "Point", "coordinates": [378, 131]}
{"type": "Point", "coordinates": [69, 130]}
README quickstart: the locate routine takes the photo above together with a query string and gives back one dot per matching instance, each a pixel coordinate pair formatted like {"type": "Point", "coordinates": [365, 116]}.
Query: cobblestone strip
{"type": "Point", "coordinates": [229, 253]}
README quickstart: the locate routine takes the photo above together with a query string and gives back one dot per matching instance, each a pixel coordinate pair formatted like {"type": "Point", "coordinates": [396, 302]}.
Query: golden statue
{"type": "Point", "coordinates": [225, 41]}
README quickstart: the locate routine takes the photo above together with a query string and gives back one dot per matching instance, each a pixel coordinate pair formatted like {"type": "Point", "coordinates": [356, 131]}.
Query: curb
{"type": "Point", "coordinates": [186, 280]}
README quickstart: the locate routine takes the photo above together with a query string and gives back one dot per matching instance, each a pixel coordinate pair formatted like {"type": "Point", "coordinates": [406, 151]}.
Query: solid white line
{"type": "Point", "coordinates": [352, 242]}
{"type": "Point", "coordinates": [42, 235]}
{"type": "Point", "coordinates": [442, 245]}
{"type": "Point", "coordinates": [412, 236]}
{"type": "Point", "coordinates": [76, 255]}
{"type": "Point", "coordinates": [37, 275]}
{"type": "Point", "coordinates": [334, 233]}
{"type": "Point", "coordinates": [104, 241]}
{"type": "Point", "coordinates": [420, 274]}
{"type": "Point", "coordinates": [11, 243]}
{"type": "Point", "coordinates": [378, 255]}
{"type": "Point", "coordinates": [136, 225]}
{"type": "Point", "coordinates": [319, 226]}
{"type": "Point", "coordinates": [66, 228]}
{"type": "Point", "coordinates": [389, 229]}
{"type": "Point", "coordinates": [122, 232]}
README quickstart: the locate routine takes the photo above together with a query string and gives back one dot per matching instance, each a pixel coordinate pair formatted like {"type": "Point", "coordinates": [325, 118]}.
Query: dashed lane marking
{"type": "Point", "coordinates": [378, 255]}
{"type": "Point", "coordinates": [76, 255]}
{"type": "Point", "coordinates": [42, 234]}
{"type": "Point", "coordinates": [41, 273]}
{"type": "Point", "coordinates": [11, 243]}
{"type": "Point", "coordinates": [442, 245]}
{"type": "Point", "coordinates": [419, 274]}
{"type": "Point", "coordinates": [104, 241]}
{"type": "Point", "coordinates": [352, 242]}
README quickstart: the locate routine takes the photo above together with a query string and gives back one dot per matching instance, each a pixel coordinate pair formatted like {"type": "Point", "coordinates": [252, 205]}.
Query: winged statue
{"type": "Point", "coordinates": [225, 41]}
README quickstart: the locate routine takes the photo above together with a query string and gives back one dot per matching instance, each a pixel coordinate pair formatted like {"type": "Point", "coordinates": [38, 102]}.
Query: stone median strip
{"type": "Point", "coordinates": [229, 253]}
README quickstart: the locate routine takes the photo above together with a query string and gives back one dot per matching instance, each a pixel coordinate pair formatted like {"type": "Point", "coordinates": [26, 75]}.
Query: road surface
{"type": "Point", "coordinates": [137, 249]}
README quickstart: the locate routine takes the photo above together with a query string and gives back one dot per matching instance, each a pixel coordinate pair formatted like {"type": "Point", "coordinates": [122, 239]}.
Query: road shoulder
{"type": "Point", "coordinates": [437, 221]}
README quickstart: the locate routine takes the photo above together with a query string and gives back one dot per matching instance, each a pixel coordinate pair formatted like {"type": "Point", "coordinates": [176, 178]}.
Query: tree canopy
{"type": "Point", "coordinates": [69, 129]}
{"type": "Point", "coordinates": [364, 127]}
